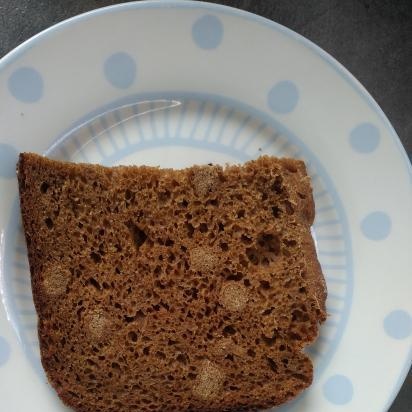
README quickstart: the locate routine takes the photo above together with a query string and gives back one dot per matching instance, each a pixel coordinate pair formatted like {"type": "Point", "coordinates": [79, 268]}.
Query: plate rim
{"type": "Point", "coordinates": [13, 56]}
{"type": "Point", "coordinates": [344, 73]}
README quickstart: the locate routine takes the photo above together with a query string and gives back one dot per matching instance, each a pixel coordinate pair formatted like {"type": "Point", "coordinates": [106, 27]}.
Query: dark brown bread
{"type": "Point", "coordinates": [173, 290]}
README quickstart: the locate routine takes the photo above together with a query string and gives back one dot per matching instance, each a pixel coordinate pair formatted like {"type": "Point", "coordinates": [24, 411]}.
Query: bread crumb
{"type": "Point", "coordinates": [209, 381]}
{"type": "Point", "coordinates": [55, 280]}
{"type": "Point", "coordinates": [98, 324]}
{"type": "Point", "coordinates": [203, 259]}
{"type": "Point", "coordinates": [226, 346]}
{"type": "Point", "coordinates": [205, 179]}
{"type": "Point", "coordinates": [233, 296]}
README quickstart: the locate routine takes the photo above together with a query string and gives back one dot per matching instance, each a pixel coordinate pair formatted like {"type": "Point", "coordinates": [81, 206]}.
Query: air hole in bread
{"type": "Point", "coordinates": [264, 284]}
{"type": "Point", "coordinates": [49, 223]}
{"type": "Point", "coordinates": [182, 358]}
{"type": "Point", "coordinates": [298, 315]}
{"type": "Point", "coordinates": [213, 202]}
{"type": "Point", "coordinates": [129, 195]}
{"type": "Point", "coordinates": [289, 207]}
{"type": "Point", "coordinates": [164, 196]}
{"type": "Point", "coordinates": [44, 187]}
{"type": "Point", "coordinates": [276, 211]}
{"type": "Point", "coordinates": [132, 336]}
{"type": "Point", "coordinates": [116, 366]}
{"type": "Point", "coordinates": [224, 246]}
{"type": "Point", "coordinates": [129, 319]}
{"type": "Point", "coordinates": [95, 257]}
{"type": "Point", "coordinates": [237, 277]}
{"type": "Point", "coordinates": [251, 253]}
{"type": "Point", "coordinates": [272, 364]}
{"type": "Point", "coordinates": [229, 330]}
{"type": "Point", "coordinates": [251, 353]}
{"type": "Point", "coordinates": [266, 250]}
{"type": "Point", "coordinates": [93, 282]}
{"type": "Point", "coordinates": [295, 336]}
{"type": "Point", "coordinates": [269, 243]}
{"type": "Point", "coordinates": [190, 229]}
{"type": "Point", "coordinates": [277, 185]}
{"type": "Point", "coordinates": [159, 284]}
{"type": "Point", "coordinates": [268, 341]}
{"type": "Point", "coordinates": [246, 240]}
{"type": "Point", "coordinates": [79, 312]}
{"type": "Point", "coordinates": [290, 242]}
{"type": "Point", "coordinates": [267, 311]}
{"type": "Point", "coordinates": [169, 242]}
{"type": "Point", "coordinates": [138, 235]}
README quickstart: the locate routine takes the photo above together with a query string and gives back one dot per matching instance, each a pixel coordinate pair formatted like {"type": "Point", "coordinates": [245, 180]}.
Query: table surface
{"type": "Point", "coordinates": [371, 38]}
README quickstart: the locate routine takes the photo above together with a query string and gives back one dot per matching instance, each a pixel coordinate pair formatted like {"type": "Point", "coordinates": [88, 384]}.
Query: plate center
{"type": "Point", "coordinates": [179, 132]}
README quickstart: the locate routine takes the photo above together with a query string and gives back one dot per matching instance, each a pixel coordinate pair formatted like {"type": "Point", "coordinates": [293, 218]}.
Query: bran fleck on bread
{"type": "Point", "coordinates": [177, 290]}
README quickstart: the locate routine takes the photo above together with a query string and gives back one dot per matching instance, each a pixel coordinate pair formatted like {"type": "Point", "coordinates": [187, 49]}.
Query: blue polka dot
{"type": "Point", "coordinates": [398, 324]}
{"type": "Point", "coordinates": [338, 390]}
{"type": "Point", "coordinates": [8, 160]}
{"type": "Point", "coordinates": [365, 138]}
{"type": "Point", "coordinates": [120, 70]}
{"type": "Point", "coordinates": [283, 97]}
{"type": "Point", "coordinates": [376, 226]}
{"type": "Point", "coordinates": [4, 351]}
{"type": "Point", "coordinates": [207, 32]}
{"type": "Point", "coordinates": [26, 85]}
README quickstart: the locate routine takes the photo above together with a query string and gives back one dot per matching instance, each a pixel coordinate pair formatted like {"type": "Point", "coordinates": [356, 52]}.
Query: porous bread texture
{"type": "Point", "coordinates": [173, 290]}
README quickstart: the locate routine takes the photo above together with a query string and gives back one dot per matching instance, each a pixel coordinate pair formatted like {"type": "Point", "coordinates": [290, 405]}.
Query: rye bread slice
{"type": "Point", "coordinates": [173, 290]}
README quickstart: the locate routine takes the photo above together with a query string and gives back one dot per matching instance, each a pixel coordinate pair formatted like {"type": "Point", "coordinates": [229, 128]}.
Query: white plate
{"type": "Point", "coordinates": [190, 82]}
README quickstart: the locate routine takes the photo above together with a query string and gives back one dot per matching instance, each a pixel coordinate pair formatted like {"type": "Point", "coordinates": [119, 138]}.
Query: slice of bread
{"type": "Point", "coordinates": [173, 290]}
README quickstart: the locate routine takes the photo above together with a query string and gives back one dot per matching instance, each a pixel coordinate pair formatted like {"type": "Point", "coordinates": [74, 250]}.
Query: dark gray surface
{"type": "Point", "coordinates": [372, 39]}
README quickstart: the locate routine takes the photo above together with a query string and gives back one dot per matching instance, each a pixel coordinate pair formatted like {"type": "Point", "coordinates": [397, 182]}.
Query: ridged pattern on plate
{"type": "Point", "coordinates": [212, 127]}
